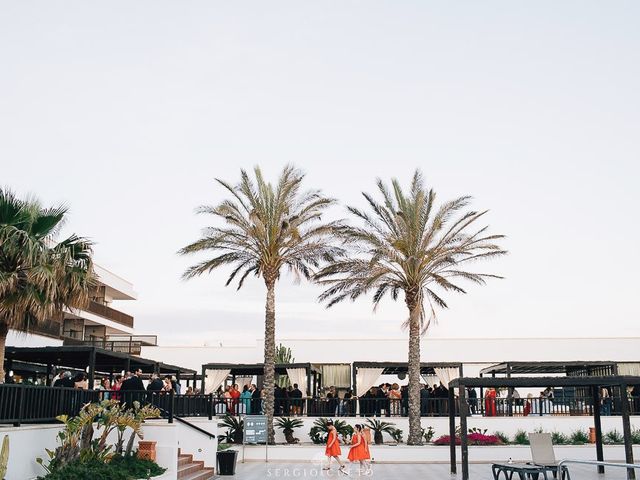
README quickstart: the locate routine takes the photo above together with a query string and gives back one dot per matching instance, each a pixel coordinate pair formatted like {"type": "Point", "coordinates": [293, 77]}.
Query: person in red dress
{"type": "Point", "coordinates": [359, 451]}
{"type": "Point", "coordinates": [490, 403]}
{"type": "Point", "coordinates": [235, 398]}
{"type": "Point", "coordinates": [333, 448]}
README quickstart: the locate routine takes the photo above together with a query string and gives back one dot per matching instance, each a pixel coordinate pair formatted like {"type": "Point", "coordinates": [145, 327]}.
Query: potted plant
{"type": "Point", "coordinates": [378, 427]}
{"type": "Point", "coordinates": [288, 425]}
{"type": "Point", "coordinates": [235, 428]}
{"type": "Point", "coordinates": [226, 459]}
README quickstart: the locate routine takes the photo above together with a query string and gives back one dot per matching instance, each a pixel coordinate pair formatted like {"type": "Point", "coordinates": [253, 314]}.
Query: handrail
{"type": "Point", "coordinates": [195, 427]}
{"type": "Point", "coordinates": [599, 463]}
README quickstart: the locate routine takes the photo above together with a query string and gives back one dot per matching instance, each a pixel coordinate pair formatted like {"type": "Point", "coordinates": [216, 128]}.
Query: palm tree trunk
{"type": "Point", "coordinates": [4, 330]}
{"type": "Point", "coordinates": [415, 429]}
{"type": "Point", "coordinates": [269, 355]}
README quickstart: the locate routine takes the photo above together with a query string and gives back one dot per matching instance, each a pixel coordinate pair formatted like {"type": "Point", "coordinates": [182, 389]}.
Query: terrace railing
{"type": "Point", "coordinates": [21, 403]}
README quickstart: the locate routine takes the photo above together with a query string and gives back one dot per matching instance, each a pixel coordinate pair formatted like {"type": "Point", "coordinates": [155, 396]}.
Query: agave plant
{"type": "Point", "coordinates": [288, 425]}
{"type": "Point", "coordinates": [234, 426]}
{"type": "Point", "coordinates": [378, 427]}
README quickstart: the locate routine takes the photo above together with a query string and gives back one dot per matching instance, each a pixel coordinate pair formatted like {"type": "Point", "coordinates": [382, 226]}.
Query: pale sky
{"type": "Point", "coordinates": [126, 111]}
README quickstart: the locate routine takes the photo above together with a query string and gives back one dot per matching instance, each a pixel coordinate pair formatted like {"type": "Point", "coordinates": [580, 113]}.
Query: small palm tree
{"type": "Point", "coordinates": [288, 425]}
{"type": "Point", "coordinates": [410, 246]}
{"type": "Point", "coordinates": [38, 277]}
{"type": "Point", "coordinates": [379, 427]}
{"type": "Point", "coordinates": [234, 426]}
{"type": "Point", "coordinates": [267, 229]}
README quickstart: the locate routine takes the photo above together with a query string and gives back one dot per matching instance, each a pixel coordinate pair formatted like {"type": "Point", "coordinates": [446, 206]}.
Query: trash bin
{"type": "Point", "coordinates": [226, 460]}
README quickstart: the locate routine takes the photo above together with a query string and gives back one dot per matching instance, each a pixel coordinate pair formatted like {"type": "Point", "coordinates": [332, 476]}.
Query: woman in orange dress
{"type": "Point", "coordinates": [490, 403]}
{"type": "Point", "coordinates": [333, 448]}
{"type": "Point", "coordinates": [359, 451]}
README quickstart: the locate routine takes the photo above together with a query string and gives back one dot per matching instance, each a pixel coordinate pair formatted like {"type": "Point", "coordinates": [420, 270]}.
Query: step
{"type": "Point", "coordinates": [189, 468]}
{"type": "Point", "coordinates": [184, 459]}
{"type": "Point", "coordinates": [206, 474]}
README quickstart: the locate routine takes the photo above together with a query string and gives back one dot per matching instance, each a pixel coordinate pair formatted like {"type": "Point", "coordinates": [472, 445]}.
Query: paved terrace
{"type": "Point", "coordinates": [387, 471]}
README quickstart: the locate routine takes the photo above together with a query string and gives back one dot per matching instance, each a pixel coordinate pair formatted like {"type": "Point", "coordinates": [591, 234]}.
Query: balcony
{"type": "Point", "coordinates": [110, 314]}
{"type": "Point", "coordinates": [131, 344]}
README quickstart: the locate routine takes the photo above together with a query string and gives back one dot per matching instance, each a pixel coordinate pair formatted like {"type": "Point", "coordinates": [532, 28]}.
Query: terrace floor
{"type": "Point", "coordinates": [388, 471]}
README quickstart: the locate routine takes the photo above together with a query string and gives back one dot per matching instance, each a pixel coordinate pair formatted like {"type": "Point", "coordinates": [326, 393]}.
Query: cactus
{"type": "Point", "coordinates": [4, 456]}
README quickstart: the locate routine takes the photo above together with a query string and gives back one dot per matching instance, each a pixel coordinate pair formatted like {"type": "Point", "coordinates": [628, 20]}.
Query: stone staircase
{"type": "Point", "coordinates": [190, 469]}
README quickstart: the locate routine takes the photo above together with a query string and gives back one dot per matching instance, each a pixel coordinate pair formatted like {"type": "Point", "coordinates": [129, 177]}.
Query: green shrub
{"type": "Point", "coordinates": [635, 436]}
{"type": "Point", "coordinates": [613, 437]}
{"type": "Point", "coordinates": [559, 438]}
{"type": "Point", "coordinates": [120, 468]}
{"type": "Point", "coordinates": [504, 438]}
{"type": "Point", "coordinates": [521, 438]}
{"type": "Point", "coordinates": [428, 434]}
{"type": "Point", "coordinates": [579, 437]}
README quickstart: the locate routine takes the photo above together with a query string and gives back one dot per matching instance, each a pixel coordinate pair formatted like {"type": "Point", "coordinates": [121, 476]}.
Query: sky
{"type": "Point", "coordinates": [127, 112]}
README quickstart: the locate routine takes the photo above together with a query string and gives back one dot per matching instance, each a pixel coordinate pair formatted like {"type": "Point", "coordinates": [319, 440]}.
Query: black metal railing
{"type": "Point", "coordinates": [21, 403]}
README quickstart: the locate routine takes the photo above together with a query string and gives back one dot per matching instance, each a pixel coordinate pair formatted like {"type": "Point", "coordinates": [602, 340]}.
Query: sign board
{"type": "Point", "coordinates": [255, 429]}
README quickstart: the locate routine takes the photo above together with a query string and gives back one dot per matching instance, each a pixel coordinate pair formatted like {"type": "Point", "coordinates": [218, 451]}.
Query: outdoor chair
{"type": "Point", "coordinates": [542, 453]}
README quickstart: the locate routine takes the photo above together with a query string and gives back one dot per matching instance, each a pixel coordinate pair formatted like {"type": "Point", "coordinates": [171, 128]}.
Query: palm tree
{"type": "Point", "coordinates": [267, 228]}
{"type": "Point", "coordinates": [38, 277]}
{"type": "Point", "coordinates": [408, 246]}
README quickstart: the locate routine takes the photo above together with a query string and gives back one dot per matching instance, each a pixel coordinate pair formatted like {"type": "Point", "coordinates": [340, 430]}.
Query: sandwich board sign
{"type": "Point", "coordinates": [255, 429]}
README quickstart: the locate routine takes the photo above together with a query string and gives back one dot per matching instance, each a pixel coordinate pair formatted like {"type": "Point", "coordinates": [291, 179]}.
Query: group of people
{"type": "Point", "coordinates": [358, 451]}
{"type": "Point", "coordinates": [250, 400]}
{"type": "Point", "coordinates": [129, 382]}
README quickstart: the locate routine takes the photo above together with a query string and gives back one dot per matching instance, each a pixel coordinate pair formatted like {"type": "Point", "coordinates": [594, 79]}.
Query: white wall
{"type": "Point", "coordinates": [196, 443]}
{"type": "Point", "coordinates": [506, 425]}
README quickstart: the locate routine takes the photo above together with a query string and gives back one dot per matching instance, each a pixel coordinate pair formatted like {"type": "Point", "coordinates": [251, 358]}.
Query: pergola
{"type": "Point", "coordinates": [251, 369]}
{"type": "Point", "coordinates": [572, 369]}
{"type": "Point", "coordinates": [396, 368]}
{"type": "Point", "coordinates": [97, 360]}
{"type": "Point", "coordinates": [593, 383]}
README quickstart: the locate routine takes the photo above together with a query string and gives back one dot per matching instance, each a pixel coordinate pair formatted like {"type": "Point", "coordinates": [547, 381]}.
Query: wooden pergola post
{"type": "Point", "coordinates": [452, 430]}
{"type": "Point", "coordinates": [464, 448]}
{"type": "Point", "coordinates": [597, 423]}
{"type": "Point", "coordinates": [626, 431]}
{"type": "Point", "coordinates": [92, 368]}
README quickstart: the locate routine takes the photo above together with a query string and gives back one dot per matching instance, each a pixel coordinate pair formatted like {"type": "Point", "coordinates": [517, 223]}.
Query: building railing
{"type": "Point", "coordinates": [110, 313]}
{"type": "Point", "coordinates": [21, 403]}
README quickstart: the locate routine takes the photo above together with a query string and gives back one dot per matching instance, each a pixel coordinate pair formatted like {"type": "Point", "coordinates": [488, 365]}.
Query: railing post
{"type": "Point", "coordinates": [21, 397]}
{"type": "Point", "coordinates": [211, 407]}
{"type": "Point", "coordinates": [171, 398]}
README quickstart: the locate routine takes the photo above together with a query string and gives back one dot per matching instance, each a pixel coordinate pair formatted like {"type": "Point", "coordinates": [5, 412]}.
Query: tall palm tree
{"type": "Point", "coordinates": [266, 228]}
{"type": "Point", "coordinates": [407, 246]}
{"type": "Point", "coordinates": [39, 277]}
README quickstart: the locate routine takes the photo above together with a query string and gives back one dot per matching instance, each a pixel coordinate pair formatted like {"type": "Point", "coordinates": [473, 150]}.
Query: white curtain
{"type": "Point", "coordinates": [213, 379]}
{"type": "Point", "coordinates": [299, 376]}
{"type": "Point", "coordinates": [366, 378]}
{"type": "Point", "coordinates": [632, 369]}
{"type": "Point", "coordinates": [445, 375]}
{"type": "Point", "coordinates": [242, 381]}
{"type": "Point", "coordinates": [430, 380]}
{"type": "Point", "coordinates": [338, 376]}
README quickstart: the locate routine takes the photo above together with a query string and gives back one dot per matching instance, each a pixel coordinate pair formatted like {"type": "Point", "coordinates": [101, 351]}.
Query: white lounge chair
{"type": "Point", "coordinates": [542, 453]}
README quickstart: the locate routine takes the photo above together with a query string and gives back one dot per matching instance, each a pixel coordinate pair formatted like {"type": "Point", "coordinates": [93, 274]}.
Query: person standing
{"type": "Point", "coordinates": [332, 450]}
{"type": "Point", "coordinates": [359, 451]}
{"type": "Point", "coordinates": [155, 385]}
{"type": "Point", "coordinates": [296, 400]}
{"type": "Point", "coordinates": [245, 400]}
{"type": "Point", "coordinates": [117, 383]}
{"type": "Point", "coordinates": [473, 400]}
{"type": "Point", "coordinates": [490, 402]}
{"type": "Point", "coordinates": [256, 406]}
{"type": "Point", "coordinates": [132, 388]}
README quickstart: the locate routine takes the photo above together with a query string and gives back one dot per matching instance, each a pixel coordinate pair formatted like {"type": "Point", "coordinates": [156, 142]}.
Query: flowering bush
{"type": "Point", "coordinates": [472, 438]}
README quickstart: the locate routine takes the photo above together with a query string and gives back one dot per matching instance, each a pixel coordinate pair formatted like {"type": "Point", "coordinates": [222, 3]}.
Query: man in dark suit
{"type": "Point", "coordinates": [424, 400]}
{"type": "Point", "coordinates": [256, 401]}
{"type": "Point", "coordinates": [296, 400]}
{"type": "Point", "coordinates": [132, 388]}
